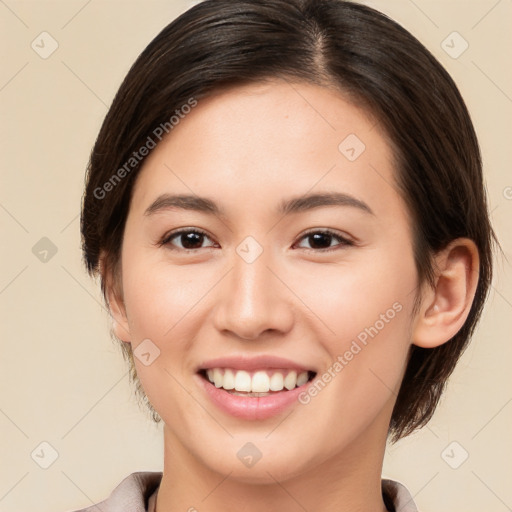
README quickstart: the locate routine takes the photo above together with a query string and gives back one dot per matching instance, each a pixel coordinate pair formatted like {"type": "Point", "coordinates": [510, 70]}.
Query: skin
{"type": "Point", "coordinates": [248, 148]}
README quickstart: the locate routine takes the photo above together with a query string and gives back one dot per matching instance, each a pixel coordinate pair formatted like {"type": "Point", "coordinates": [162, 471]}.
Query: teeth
{"type": "Point", "coordinates": [218, 378]}
{"type": "Point", "coordinates": [277, 382]}
{"type": "Point", "coordinates": [302, 378]}
{"type": "Point", "coordinates": [259, 382]}
{"type": "Point", "coordinates": [229, 380]}
{"type": "Point", "coordinates": [290, 381]}
{"type": "Point", "coordinates": [242, 381]}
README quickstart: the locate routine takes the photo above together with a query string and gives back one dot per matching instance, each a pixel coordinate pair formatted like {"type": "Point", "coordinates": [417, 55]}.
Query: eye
{"type": "Point", "coordinates": [321, 240]}
{"type": "Point", "coordinates": [187, 239]}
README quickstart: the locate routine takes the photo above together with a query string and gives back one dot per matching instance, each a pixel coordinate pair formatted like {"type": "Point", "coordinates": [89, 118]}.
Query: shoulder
{"type": "Point", "coordinates": [131, 495]}
{"type": "Point", "coordinates": [399, 496]}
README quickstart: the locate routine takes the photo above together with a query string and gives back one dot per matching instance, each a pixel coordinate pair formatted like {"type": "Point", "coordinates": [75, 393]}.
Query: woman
{"type": "Point", "coordinates": [286, 207]}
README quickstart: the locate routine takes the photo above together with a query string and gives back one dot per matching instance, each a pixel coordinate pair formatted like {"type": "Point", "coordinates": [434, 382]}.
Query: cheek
{"type": "Point", "coordinates": [164, 305]}
{"type": "Point", "coordinates": [158, 296]}
{"type": "Point", "coordinates": [160, 303]}
{"type": "Point", "coordinates": [371, 319]}
{"type": "Point", "coordinates": [368, 309]}
{"type": "Point", "coordinates": [354, 295]}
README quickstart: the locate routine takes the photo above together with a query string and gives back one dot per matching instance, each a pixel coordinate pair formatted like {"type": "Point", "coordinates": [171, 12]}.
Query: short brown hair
{"type": "Point", "coordinates": [360, 51]}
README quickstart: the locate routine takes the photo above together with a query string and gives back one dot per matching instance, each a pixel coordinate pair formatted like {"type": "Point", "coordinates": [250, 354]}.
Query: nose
{"type": "Point", "coordinates": [253, 300]}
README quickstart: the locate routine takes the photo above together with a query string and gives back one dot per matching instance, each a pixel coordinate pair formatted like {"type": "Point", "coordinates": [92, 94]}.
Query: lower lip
{"type": "Point", "coordinates": [252, 408]}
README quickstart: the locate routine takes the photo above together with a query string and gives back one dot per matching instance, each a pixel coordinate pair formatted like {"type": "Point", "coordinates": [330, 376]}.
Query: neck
{"type": "Point", "coordinates": [351, 481]}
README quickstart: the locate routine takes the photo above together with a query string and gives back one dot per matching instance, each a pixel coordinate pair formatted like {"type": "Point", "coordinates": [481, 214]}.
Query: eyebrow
{"type": "Point", "coordinates": [310, 201]}
{"type": "Point", "coordinates": [286, 207]}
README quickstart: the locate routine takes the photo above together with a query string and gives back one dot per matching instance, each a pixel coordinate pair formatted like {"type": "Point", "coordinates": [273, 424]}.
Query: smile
{"type": "Point", "coordinates": [257, 383]}
{"type": "Point", "coordinates": [253, 388]}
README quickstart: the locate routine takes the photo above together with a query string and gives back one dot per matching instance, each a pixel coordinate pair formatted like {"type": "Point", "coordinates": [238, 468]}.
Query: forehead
{"type": "Point", "coordinates": [277, 115]}
{"type": "Point", "coordinates": [263, 140]}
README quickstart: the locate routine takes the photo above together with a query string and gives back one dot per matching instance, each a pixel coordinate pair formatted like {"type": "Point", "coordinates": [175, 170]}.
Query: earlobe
{"type": "Point", "coordinates": [116, 306]}
{"type": "Point", "coordinates": [120, 326]}
{"type": "Point", "coordinates": [445, 307]}
{"type": "Point", "coordinates": [120, 331]}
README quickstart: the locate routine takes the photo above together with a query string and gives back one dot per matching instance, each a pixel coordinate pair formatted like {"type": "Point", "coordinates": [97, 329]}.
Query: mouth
{"type": "Point", "coordinates": [253, 387]}
{"type": "Point", "coordinates": [256, 383]}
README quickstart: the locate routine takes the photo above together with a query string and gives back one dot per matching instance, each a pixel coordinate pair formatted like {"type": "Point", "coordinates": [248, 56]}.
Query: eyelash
{"type": "Point", "coordinates": [343, 242]}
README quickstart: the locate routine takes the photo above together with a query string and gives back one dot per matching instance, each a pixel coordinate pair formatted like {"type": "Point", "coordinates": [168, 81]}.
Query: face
{"type": "Point", "coordinates": [288, 263]}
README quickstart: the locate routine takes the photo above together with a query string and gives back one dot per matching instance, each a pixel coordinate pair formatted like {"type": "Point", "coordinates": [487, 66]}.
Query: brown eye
{"type": "Point", "coordinates": [187, 239]}
{"type": "Point", "coordinates": [323, 240]}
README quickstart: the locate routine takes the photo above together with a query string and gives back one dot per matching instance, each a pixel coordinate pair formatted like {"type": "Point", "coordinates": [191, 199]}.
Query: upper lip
{"type": "Point", "coordinates": [251, 363]}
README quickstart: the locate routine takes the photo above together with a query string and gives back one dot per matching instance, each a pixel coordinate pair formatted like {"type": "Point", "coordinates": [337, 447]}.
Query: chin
{"type": "Point", "coordinates": [262, 472]}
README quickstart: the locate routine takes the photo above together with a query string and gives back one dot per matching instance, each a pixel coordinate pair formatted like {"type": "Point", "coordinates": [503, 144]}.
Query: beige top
{"type": "Point", "coordinates": [137, 493]}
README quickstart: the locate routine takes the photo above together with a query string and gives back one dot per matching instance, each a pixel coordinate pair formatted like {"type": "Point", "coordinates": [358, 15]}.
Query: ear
{"type": "Point", "coordinates": [445, 307]}
{"type": "Point", "coordinates": [114, 296]}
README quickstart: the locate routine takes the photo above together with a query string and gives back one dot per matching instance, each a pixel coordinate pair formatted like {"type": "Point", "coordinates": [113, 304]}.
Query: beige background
{"type": "Point", "coordinates": [63, 382]}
